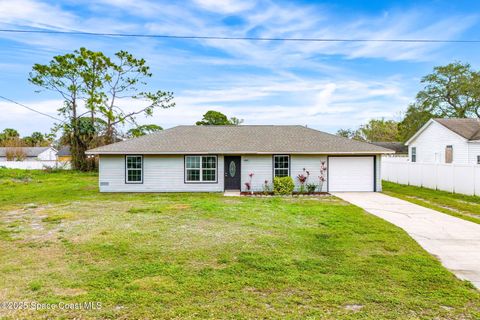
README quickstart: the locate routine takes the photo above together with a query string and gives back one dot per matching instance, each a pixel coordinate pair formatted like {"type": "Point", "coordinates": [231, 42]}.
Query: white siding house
{"type": "Point", "coordinates": [29, 153]}
{"type": "Point", "coordinates": [218, 158]}
{"type": "Point", "coordinates": [440, 136]}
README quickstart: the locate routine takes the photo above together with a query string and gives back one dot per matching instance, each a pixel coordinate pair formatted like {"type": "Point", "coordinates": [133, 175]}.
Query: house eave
{"type": "Point", "coordinates": [237, 152]}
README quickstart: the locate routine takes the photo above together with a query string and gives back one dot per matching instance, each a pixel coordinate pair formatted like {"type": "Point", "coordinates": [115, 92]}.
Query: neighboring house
{"type": "Point", "coordinates": [64, 154]}
{"type": "Point", "coordinates": [401, 150]}
{"type": "Point", "coordinates": [28, 153]}
{"type": "Point", "coordinates": [218, 158]}
{"type": "Point", "coordinates": [446, 141]}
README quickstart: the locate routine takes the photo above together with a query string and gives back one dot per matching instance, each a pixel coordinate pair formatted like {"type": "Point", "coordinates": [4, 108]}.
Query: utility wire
{"type": "Point", "coordinates": [29, 108]}
{"type": "Point", "coordinates": [142, 35]}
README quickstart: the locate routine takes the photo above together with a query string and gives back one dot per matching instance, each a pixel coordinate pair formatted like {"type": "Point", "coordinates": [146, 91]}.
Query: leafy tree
{"type": "Point", "coordinates": [216, 118]}
{"type": "Point", "coordinates": [451, 91]}
{"type": "Point", "coordinates": [63, 75]}
{"type": "Point", "coordinates": [413, 120]}
{"type": "Point", "coordinates": [374, 130]}
{"type": "Point", "coordinates": [143, 130]}
{"type": "Point", "coordinates": [37, 139]}
{"type": "Point", "coordinates": [122, 82]}
{"type": "Point", "coordinates": [91, 79]}
{"type": "Point", "coordinates": [380, 130]}
{"type": "Point", "coordinates": [349, 133]}
{"type": "Point", "coordinates": [9, 133]}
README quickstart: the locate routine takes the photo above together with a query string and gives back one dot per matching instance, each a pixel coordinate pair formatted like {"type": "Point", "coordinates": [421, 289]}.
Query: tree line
{"type": "Point", "coordinates": [451, 91]}
{"type": "Point", "coordinates": [11, 138]}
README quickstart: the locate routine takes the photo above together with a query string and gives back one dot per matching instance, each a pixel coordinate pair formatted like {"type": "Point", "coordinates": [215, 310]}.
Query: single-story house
{"type": "Point", "coordinates": [218, 158]}
{"type": "Point", "coordinates": [401, 150]}
{"type": "Point", "coordinates": [27, 153]}
{"type": "Point", "coordinates": [446, 141]}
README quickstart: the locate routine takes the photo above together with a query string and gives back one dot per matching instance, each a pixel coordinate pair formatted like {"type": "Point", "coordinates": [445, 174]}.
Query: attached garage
{"type": "Point", "coordinates": [351, 173]}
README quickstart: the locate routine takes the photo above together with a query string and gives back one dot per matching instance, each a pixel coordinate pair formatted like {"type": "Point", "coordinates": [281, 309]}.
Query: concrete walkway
{"type": "Point", "coordinates": [455, 242]}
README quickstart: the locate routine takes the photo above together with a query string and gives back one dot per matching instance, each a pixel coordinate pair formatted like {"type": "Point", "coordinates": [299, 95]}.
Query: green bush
{"type": "Point", "coordinates": [283, 185]}
{"type": "Point", "coordinates": [311, 187]}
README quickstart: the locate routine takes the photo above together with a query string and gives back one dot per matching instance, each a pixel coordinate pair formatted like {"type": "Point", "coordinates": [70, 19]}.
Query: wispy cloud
{"type": "Point", "coordinates": [326, 85]}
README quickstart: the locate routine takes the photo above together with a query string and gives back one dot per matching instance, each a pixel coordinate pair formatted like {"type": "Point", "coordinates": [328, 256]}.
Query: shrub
{"type": "Point", "coordinates": [283, 185]}
{"type": "Point", "coordinates": [266, 188]}
{"type": "Point", "coordinates": [311, 187]}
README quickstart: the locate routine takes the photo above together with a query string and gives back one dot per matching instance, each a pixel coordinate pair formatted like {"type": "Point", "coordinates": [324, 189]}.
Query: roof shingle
{"type": "Point", "coordinates": [29, 151]}
{"type": "Point", "coordinates": [467, 128]}
{"type": "Point", "coordinates": [239, 139]}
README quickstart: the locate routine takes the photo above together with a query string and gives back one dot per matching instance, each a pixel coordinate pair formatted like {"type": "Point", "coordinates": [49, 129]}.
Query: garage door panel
{"type": "Point", "coordinates": [350, 174]}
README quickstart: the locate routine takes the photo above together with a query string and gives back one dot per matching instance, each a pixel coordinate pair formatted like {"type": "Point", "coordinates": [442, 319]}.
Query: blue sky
{"type": "Point", "coordinates": [323, 85]}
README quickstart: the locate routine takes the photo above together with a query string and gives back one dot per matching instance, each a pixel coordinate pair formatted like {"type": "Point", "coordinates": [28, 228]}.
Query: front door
{"type": "Point", "coordinates": [232, 173]}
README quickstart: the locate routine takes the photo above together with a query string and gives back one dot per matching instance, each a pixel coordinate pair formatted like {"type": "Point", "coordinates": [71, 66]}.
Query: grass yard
{"type": "Point", "coordinates": [455, 204]}
{"type": "Point", "coordinates": [208, 256]}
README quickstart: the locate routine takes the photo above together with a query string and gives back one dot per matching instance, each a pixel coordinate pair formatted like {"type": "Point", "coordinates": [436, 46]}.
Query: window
{"type": "Point", "coordinates": [448, 154]}
{"type": "Point", "coordinates": [200, 169]}
{"type": "Point", "coordinates": [414, 154]}
{"type": "Point", "coordinates": [281, 166]}
{"type": "Point", "coordinates": [134, 169]}
{"type": "Point", "coordinates": [478, 159]}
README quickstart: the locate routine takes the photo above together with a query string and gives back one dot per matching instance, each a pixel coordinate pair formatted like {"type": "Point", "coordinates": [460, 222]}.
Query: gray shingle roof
{"type": "Point", "coordinates": [239, 139]}
{"type": "Point", "coordinates": [64, 151]}
{"type": "Point", "coordinates": [29, 151]}
{"type": "Point", "coordinates": [398, 147]}
{"type": "Point", "coordinates": [467, 128]}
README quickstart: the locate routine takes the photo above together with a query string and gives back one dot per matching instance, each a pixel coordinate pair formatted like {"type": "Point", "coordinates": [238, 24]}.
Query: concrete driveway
{"type": "Point", "coordinates": [455, 242]}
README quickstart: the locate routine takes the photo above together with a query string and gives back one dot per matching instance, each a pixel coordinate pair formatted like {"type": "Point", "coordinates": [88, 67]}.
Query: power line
{"type": "Point", "coordinates": [30, 108]}
{"type": "Point", "coordinates": [141, 35]}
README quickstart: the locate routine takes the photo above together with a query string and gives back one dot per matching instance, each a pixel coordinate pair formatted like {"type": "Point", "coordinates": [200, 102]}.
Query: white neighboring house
{"type": "Point", "coordinates": [455, 141]}
{"type": "Point", "coordinates": [218, 158]}
{"type": "Point", "coordinates": [30, 153]}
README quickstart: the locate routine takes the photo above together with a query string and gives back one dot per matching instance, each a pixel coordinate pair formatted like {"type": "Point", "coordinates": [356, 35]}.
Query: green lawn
{"type": "Point", "coordinates": [458, 205]}
{"type": "Point", "coordinates": [208, 256]}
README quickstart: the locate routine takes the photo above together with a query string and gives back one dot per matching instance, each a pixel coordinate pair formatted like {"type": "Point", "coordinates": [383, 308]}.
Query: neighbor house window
{"type": "Point", "coordinates": [134, 169]}
{"type": "Point", "coordinates": [200, 168]}
{"type": "Point", "coordinates": [448, 154]}
{"type": "Point", "coordinates": [414, 154]}
{"type": "Point", "coordinates": [281, 166]}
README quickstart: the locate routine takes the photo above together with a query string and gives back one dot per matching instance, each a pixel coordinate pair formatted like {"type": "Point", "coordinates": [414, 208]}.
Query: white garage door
{"type": "Point", "coordinates": [350, 174]}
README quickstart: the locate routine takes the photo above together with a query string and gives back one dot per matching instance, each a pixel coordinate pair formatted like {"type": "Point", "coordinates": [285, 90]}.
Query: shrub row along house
{"type": "Point", "coordinates": [218, 158]}
{"type": "Point", "coordinates": [446, 141]}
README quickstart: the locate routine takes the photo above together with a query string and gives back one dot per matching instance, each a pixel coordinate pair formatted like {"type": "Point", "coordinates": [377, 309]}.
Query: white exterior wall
{"type": "Point", "coordinates": [473, 152]}
{"type": "Point", "coordinates": [161, 173]}
{"type": "Point", "coordinates": [431, 145]}
{"type": "Point", "coordinates": [262, 168]}
{"type": "Point", "coordinates": [311, 164]}
{"type": "Point", "coordinates": [165, 173]}
{"type": "Point", "coordinates": [49, 154]}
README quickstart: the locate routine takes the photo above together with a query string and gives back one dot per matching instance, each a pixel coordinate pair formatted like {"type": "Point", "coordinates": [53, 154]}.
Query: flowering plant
{"type": "Point", "coordinates": [248, 184]}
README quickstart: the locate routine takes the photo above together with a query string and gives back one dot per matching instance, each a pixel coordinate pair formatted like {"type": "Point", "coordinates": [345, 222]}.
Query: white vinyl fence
{"type": "Point", "coordinates": [35, 165]}
{"type": "Point", "coordinates": [456, 178]}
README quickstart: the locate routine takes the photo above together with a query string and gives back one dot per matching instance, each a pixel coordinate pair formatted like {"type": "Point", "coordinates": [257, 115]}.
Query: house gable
{"type": "Point", "coordinates": [431, 141]}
